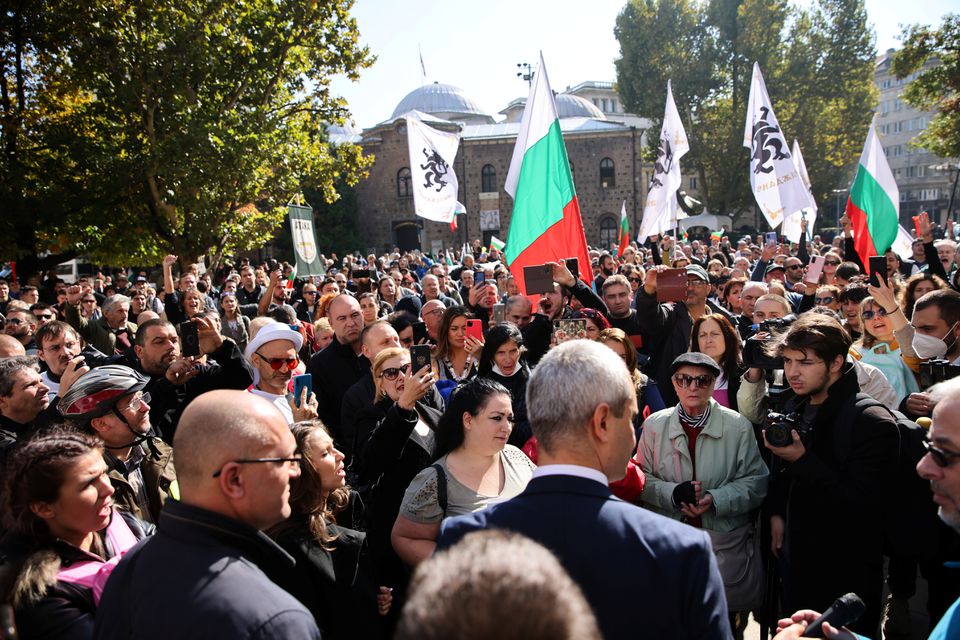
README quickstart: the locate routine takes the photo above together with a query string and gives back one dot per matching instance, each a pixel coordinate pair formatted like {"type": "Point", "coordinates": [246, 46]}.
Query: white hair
{"type": "Point", "coordinates": [567, 386]}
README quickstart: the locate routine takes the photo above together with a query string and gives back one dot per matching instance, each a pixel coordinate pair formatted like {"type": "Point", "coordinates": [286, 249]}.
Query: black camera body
{"type": "Point", "coordinates": [754, 348]}
{"type": "Point", "coordinates": [778, 427]}
{"type": "Point", "coordinates": [935, 371]}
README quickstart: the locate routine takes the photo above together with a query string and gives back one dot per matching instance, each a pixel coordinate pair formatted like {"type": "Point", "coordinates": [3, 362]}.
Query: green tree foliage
{"type": "Point", "coordinates": [934, 56]}
{"type": "Point", "coordinates": [150, 127]}
{"type": "Point", "coordinates": [817, 64]}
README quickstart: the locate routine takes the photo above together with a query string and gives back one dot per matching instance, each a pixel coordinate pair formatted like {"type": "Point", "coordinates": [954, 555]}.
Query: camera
{"type": "Point", "coordinates": [754, 347]}
{"type": "Point", "coordinates": [935, 371]}
{"type": "Point", "coordinates": [778, 427]}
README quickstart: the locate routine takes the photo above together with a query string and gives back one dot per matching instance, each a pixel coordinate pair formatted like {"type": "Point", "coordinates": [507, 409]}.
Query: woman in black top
{"type": "Point", "coordinates": [502, 360]}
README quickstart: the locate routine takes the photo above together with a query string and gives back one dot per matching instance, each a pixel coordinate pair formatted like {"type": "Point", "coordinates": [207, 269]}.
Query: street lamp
{"type": "Point", "coordinates": [838, 193]}
{"type": "Point", "coordinates": [526, 75]}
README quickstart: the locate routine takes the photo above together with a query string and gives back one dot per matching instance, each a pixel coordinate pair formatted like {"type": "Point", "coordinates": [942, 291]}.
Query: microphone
{"type": "Point", "coordinates": [844, 610]}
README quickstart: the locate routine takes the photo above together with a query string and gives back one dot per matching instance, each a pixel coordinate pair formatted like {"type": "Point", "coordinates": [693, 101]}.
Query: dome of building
{"type": "Point", "coordinates": [569, 106]}
{"type": "Point", "coordinates": [444, 101]}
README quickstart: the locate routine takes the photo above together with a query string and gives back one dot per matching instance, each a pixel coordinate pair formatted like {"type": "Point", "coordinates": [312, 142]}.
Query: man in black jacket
{"type": "Point", "coordinates": [829, 485]}
{"type": "Point", "coordinates": [210, 571]}
{"type": "Point", "coordinates": [668, 326]}
{"type": "Point", "coordinates": [341, 364]}
{"type": "Point", "coordinates": [174, 380]}
{"type": "Point", "coordinates": [23, 398]}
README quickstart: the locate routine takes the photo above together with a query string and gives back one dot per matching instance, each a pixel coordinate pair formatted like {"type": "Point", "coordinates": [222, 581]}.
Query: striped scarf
{"type": "Point", "coordinates": [697, 422]}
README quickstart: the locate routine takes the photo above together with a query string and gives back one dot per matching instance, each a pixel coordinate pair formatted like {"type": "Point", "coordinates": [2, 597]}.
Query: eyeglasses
{"type": "Point", "coordinates": [635, 280]}
{"type": "Point", "coordinates": [831, 262]}
{"type": "Point", "coordinates": [940, 457]}
{"type": "Point", "coordinates": [88, 301]}
{"type": "Point", "coordinates": [393, 372]}
{"type": "Point", "coordinates": [795, 266]}
{"type": "Point", "coordinates": [46, 316]}
{"type": "Point", "coordinates": [293, 460]}
{"type": "Point", "coordinates": [138, 400]}
{"type": "Point", "coordinates": [276, 363]}
{"type": "Point", "coordinates": [824, 300]}
{"type": "Point", "coordinates": [15, 321]}
{"type": "Point", "coordinates": [701, 382]}
{"type": "Point", "coordinates": [879, 313]}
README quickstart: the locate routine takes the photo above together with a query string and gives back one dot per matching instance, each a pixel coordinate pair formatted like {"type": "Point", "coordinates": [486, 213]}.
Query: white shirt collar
{"type": "Point", "coordinates": [571, 470]}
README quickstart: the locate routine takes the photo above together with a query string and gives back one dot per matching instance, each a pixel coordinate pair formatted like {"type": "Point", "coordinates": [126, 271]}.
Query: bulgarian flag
{"type": "Point", "coordinates": [288, 285]}
{"type": "Point", "coordinates": [874, 203]}
{"type": "Point", "coordinates": [624, 234]}
{"type": "Point", "coordinates": [497, 243]}
{"type": "Point", "coordinates": [545, 225]}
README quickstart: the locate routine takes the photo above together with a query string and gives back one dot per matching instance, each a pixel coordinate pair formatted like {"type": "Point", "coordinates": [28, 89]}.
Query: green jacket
{"type": "Point", "coordinates": [728, 465]}
{"type": "Point", "coordinates": [158, 475]}
{"type": "Point", "coordinates": [96, 332]}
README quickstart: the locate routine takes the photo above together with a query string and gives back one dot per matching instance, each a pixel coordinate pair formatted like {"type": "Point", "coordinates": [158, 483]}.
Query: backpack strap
{"type": "Point", "coordinates": [441, 487]}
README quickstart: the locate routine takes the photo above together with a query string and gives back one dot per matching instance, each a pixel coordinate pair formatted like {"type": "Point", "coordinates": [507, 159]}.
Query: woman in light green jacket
{"type": "Point", "coordinates": [703, 467]}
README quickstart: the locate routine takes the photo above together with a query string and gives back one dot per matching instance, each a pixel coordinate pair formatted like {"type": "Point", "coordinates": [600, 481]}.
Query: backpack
{"type": "Point", "coordinates": [910, 519]}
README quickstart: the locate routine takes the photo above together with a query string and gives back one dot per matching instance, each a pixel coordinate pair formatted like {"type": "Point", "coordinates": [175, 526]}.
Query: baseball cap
{"type": "Point", "coordinates": [698, 271]}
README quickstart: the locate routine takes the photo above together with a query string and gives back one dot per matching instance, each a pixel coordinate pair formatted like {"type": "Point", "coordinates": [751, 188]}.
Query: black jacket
{"type": "Point", "coordinates": [44, 606]}
{"type": "Point", "coordinates": [226, 368]}
{"type": "Point", "coordinates": [517, 386]}
{"type": "Point", "coordinates": [338, 586]}
{"type": "Point", "coordinates": [836, 493]}
{"type": "Point", "coordinates": [666, 329]}
{"type": "Point", "coordinates": [203, 575]}
{"type": "Point", "coordinates": [334, 370]}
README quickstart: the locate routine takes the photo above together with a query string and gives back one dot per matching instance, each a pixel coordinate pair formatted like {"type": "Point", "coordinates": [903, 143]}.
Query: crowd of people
{"type": "Point", "coordinates": [407, 446]}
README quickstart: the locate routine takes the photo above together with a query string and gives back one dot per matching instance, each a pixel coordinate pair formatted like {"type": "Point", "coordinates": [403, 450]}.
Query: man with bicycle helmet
{"type": "Point", "coordinates": [109, 403]}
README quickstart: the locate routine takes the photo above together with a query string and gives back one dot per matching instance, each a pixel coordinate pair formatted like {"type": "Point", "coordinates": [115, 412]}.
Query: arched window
{"type": "Point", "coordinates": [608, 231]}
{"type": "Point", "coordinates": [488, 179]}
{"type": "Point", "coordinates": [607, 178]}
{"type": "Point", "coordinates": [404, 184]}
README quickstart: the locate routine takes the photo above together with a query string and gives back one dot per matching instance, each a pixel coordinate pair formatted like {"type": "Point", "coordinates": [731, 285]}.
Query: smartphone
{"type": "Point", "coordinates": [479, 276]}
{"type": "Point", "coordinates": [672, 285]}
{"type": "Point", "coordinates": [475, 329]}
{"type": "Point", "coordinates": [814, 269]}
{"type": "Point", "coordinates": [419, 357]}
{"type": "Point", "coordinates": [301, 382]}
{"type": "Point", "coordinates": [564, 330]}
{"type": "Point", "coordinates": [573, 266]}
{"type": "Point", "coordinates": [361, 273]}
{"type": "Point", "coordinates": [878, 269]}
{"type": "Point", "coordinates": [189, 339]}
{"type": "Point", "coordinates": [770, 238]}
{"type": "Point", "coordinates": [916, 224]}
{"type": "Point", "coordinates": [538, 278]}
{"type": "Point", "coordinates": [499, 313]}
{"type": "Point", "coordinates": [272, 265]}
{"type": "Point", "coordinates": [420, 332]}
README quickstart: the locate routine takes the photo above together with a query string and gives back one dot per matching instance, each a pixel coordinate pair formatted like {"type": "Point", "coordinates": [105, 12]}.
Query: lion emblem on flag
{"type": "Point", "coordinates": [436, 170]}
{"type": "Point", "coordinates": [768, 144]}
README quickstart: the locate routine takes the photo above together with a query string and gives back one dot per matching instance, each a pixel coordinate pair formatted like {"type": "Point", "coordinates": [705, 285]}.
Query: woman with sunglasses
{"type": "Point", "coordinates": [333, 577]}
{"type": "Point", "coordinates": [828, 296]}
{"type": "Point", "coordinates": [703, 467]}
{"type": "Point", "coordinates": [401, 424]}
{"type": "Point", "coordinates": [879, 347]}
{"type": "Point", "coordinates": [476, 467]}
{"type": "Point", "coordinates": [62, 531]}
{"type": "Point", "coordinates": [831, 261]}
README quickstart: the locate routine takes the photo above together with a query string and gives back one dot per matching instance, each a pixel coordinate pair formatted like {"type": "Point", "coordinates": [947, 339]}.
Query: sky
{"type": "Point", "coordinates": [476, 46]}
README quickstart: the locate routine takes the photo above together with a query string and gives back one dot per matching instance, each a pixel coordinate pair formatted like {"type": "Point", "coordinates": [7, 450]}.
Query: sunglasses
{"type": "Point", "coordinates": [15, 321]}
{"type": "Point", "coordinates": [940, 457]}
{"type": "Point", "coordinates": [833, 263]}
{"type": "Point", "coordinates": [825, 300]}
{"type": "Point", "coordinates": [635, 280]}
{"type": "Point", "coordinates": [46, 316]}
{"type": "Point", "coordinates": [870, 315]}
{"type": "Point", "coordinates": [294, 460]}
{"type": "Point", "coordinates": [699, 382]}
{"type": "Point", "coordinates": [394, 372]}
{"type": "Point", "coordinates": [795, 266]}
{"type": "Point", "coordinates": [276, 363]}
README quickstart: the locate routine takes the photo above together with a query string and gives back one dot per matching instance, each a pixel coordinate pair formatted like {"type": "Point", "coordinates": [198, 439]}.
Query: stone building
{"type": "Point", "coordinates": [604, 154]}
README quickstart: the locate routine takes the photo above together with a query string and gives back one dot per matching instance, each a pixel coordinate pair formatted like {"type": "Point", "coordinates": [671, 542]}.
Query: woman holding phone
{"type": "Point", "coordinates": [457, 352]}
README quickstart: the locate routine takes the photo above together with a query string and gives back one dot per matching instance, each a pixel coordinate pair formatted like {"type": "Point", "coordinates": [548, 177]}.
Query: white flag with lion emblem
{"type": "Point", "coordinates": [775, 180]}
{"type": "Point", "coordinates": [434, 182]}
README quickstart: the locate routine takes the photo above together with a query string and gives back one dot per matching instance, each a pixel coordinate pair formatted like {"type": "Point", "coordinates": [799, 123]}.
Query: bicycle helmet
{"type": "Point", "coordinates": [97, 392]}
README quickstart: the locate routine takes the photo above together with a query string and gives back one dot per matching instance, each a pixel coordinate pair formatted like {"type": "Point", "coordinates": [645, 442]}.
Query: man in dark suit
{"type": "Point", "coordinates": [644, 575]}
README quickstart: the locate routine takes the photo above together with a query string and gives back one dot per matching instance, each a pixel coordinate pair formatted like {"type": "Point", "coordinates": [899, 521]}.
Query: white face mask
{"type": "Point", "coordinates": [928, 347]}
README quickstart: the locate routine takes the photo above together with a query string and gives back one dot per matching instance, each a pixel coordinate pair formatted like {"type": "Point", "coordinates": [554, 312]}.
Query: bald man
{"type": "Point", "coordinates": [209, 561]}
{"type": "Point", "coordinates": [10, 347]}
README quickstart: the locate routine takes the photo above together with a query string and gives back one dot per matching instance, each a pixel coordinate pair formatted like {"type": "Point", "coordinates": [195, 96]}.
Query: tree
{"type": "Point", "coordinates": [932, 56]}
{"type": "Point", "coordinates": [192, 111]}
{"type": "Point", "coordinates": [817, 65]}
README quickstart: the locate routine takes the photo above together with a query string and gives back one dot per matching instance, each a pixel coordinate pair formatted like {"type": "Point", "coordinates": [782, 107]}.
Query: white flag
{"type": "Point", "coordinates": [791, 225]}
{"type": "Point", "coordinates": [660, 209]}
{"type": "Point", "coordinates": [775, 181]}
{"type": "Point", "coordinates": [903, 245]}
{"type": "Point", "coordinates": [434, 182]}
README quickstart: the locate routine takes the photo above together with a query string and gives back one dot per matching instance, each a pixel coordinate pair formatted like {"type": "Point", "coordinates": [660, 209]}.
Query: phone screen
{"type": "Point", "coordinates": [878, 269]}
{"type": "Point", "coordinates": [189, 339]}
